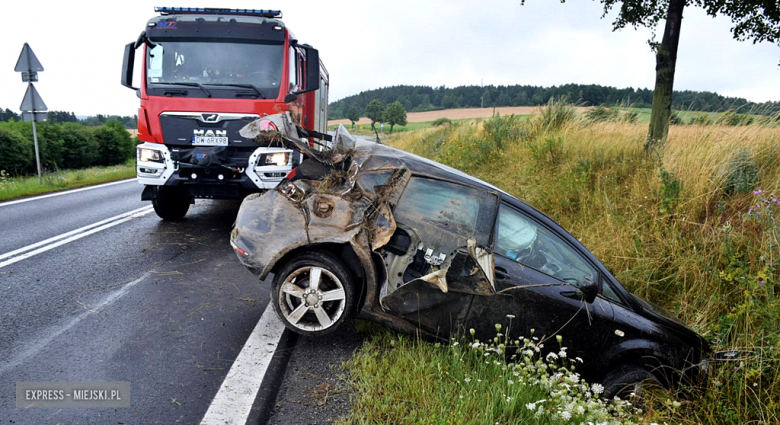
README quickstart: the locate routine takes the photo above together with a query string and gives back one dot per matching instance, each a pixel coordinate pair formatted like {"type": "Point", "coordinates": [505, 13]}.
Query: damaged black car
{"type": "Point", "coordinates": [364, 230]}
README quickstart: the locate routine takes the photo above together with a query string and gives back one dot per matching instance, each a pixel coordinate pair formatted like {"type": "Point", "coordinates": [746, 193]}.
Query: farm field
{"type": "Point", "coordinates": [456, 114]}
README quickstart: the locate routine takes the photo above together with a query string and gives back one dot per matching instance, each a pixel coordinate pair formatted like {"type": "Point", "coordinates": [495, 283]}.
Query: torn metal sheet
{"type": "Point", "coordinates": [282, 128]}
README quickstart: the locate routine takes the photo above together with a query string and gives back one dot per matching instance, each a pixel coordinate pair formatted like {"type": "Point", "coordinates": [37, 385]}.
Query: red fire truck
{"type": "Point", "coordinates": [206, 74]}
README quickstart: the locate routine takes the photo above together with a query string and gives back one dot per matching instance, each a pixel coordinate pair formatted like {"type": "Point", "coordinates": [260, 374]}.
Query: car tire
{"type": "Point", "coordinates": [627, 379]}
{"type": "Point", "coordinates": [313, 311]}
{"type": "Point", "coordinates": [170, 204]}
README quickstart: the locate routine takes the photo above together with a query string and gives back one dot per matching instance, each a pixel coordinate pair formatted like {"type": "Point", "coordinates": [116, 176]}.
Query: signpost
{"type": "Point", "coordinates": [33, 108]}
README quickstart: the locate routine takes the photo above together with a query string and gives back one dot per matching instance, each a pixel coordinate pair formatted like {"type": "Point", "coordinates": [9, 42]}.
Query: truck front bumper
{"type": "Point", "coordinates": [158, 168]}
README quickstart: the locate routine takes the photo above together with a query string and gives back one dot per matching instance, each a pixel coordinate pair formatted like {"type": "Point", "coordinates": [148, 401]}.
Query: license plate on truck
{"type": "Point", "coordinates": [209, 141]}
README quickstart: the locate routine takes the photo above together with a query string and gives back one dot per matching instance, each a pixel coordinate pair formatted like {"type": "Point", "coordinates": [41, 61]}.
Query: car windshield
{"type": "Point", "coordinates": [217, 63]}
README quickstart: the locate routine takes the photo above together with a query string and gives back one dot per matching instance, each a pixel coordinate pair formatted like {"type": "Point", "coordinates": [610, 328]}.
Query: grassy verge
{"type": "Point", "coordinates": [17, 187]}
{"type": "Point", "coordinates": [398, 379]}
{"type": "Point", "coordinates": [693, 227]}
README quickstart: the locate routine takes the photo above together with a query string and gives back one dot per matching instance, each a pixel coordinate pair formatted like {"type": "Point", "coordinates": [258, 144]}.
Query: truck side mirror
{"type": "Point", "coordinates": [312, 68]}
{"type": "Point", "coordinates": [127, 66]}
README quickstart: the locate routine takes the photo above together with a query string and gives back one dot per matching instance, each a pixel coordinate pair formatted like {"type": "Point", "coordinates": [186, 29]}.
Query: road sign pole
{"type": "Point", "coordinates": [29, 66]}
{"type": "Point", "coordinates": [37, 156]}
{"type": "Point", "coordinates": [35, 141]}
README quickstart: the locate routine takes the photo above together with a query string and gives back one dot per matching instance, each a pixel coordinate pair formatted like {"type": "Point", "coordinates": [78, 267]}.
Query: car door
{"type": "Point", "coordinates": [537, 275]}
{"type": "Point", "coordinates": [436, 260]}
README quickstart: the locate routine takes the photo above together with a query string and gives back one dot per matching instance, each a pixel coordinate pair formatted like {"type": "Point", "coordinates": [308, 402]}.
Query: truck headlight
{"type": "Point", "coordinates": [149, 155]}
{"type": "Point", "coordinates": [279, 159]}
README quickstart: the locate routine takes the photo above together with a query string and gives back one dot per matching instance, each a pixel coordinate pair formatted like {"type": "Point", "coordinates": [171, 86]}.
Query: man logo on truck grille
{"type": "Point", "coordinates": [209, 117]}
{"type": "Point", "coordinates": [210, 133]}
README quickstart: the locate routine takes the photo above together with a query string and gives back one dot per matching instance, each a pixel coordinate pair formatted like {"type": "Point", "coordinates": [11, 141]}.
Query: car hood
{"type": "Point", "coordinates": [663, 317]}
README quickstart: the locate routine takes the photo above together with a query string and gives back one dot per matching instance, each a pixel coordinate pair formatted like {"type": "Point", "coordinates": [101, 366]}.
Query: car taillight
{"type": "Point", "coordinates": [291, 174]}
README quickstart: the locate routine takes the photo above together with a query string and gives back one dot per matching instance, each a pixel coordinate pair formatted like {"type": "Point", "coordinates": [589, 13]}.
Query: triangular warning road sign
{"type": "Point", "coordinates": [28, 61]}
{"type": "Point", "coordinates": [32, 101]}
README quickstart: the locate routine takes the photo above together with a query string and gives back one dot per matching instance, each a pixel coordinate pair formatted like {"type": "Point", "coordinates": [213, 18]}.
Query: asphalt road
{"type": "Point", "coordinates": [163, 305]}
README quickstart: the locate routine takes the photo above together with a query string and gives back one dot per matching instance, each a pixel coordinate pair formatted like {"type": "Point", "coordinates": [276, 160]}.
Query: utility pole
{"type": "Point", "coordinates": [33, 108]}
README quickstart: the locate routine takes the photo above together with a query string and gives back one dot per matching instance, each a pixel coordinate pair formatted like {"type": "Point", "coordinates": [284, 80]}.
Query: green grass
{"type": "Point", "coordinates": [675, 227]}
{"type": "Point", "coordinates": [401, 380]}
{"type": "Point", "coordinates": [17, 187]}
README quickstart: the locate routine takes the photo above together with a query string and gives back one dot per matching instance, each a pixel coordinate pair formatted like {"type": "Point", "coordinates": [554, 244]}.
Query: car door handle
{"type": "Point", "coordinates": [501, 273]}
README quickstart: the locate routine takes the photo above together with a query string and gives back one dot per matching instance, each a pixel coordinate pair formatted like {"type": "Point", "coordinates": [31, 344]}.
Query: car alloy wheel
{"type": "Point", "coordinates": [312, 298]}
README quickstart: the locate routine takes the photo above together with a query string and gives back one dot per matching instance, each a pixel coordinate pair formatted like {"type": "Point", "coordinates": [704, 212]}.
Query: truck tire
{"type": "Point", "coordinates": [170, 203]}
{"type": "Point", "coordinates": [317, 309]}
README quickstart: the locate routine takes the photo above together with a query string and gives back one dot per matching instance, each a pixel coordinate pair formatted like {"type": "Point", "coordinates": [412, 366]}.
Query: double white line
{"type": "Point", "coordinates": [30, 250]}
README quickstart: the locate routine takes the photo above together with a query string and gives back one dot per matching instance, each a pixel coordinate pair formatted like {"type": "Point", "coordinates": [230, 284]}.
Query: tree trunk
{"type": "Point", "coordinates": [665, 61]}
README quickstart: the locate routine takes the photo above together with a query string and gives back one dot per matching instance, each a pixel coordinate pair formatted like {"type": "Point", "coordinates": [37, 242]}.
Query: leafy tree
{"type": "Point", "coordinates": [395, 114]}
{"type": "Point", "coordinates": [756, 20]}
{"type": "Point", "coordinates": [61, 117]}
{"type": "Point", "coordinates": [49, 143]}
{"type": "Point", "coordinates": [375, 111]}
{"type": "Point", "coordinates": [115, 145]}
{"type": "Point", "coordinates": [80, 149]}
{"type": "Point", "coordinates": [353, 115]}
{"type": "Point", "coordinates": [9, 115]}
{"type": "Point", "coordinates": [14, 151]}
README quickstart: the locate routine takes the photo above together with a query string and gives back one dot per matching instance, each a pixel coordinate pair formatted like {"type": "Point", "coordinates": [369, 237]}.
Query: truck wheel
{"type": "Point", "coordinates": [629, 379]}
{"type": "Point", "coordinates": [313, 294]}
{"type": "Point", "coordinates": [170, 203]}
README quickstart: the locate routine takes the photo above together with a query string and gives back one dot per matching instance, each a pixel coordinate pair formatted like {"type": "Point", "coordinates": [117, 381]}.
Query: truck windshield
{"type": "Point", "coordinates": [218, 63]}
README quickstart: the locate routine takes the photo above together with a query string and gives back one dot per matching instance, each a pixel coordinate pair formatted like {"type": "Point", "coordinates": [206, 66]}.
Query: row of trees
{"type": "Point", "coordinates": [425, 98]}
{"type": "Point", "coordinates": [393, 114]}
{"type": "Point", "coordinates": [69, 145]}
{"type": "Point", "coordinates": [59, 117]}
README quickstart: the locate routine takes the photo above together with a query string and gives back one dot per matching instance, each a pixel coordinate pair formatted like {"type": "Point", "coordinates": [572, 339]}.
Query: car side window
{"type": "Point", "coordinates": [609, 293]}
{"type": "Point", "coordinates": [459, 209]}
{"type": "Point", "coordinates": [520, 238]}
{"type": "Point", "coordinates": [370, 179]}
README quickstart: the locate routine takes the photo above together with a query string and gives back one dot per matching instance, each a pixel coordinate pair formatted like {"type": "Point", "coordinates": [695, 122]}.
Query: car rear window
{"type": "Point", "coordinates": [453, 207]}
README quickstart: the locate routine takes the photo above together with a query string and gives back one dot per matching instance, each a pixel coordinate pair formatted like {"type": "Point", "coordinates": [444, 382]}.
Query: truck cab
{"type": "Point", "coordinates": [206, 74]}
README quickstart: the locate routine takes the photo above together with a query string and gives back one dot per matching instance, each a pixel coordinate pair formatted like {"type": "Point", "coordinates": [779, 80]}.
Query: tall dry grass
{"type": "Point", "coordinates": [673, 226]}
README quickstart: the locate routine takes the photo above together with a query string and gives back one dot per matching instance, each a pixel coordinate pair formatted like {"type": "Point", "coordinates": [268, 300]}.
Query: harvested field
{"type": "Point", "coordinates": [458, 114]}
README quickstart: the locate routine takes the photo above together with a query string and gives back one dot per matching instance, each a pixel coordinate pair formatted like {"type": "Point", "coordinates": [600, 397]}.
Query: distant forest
{"type": "Point", "coordinates": [63, 117]}
{"type": "Point", "coordinates": [425, 98]}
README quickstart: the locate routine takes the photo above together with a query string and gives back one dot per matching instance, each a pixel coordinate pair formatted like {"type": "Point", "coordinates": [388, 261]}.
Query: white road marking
{"type": "Point", "coordinates": [65, 235]}
{"type": "Point", "coordinates": [233, 402]}
{"type": "Point", "coordinates": [51, 243]}
{"type": "Point", "coordinates": [65, 192]}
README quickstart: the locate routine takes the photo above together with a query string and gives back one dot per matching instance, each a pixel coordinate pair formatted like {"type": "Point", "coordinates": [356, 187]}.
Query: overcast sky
{"type": "Point", "coordinates": [367, 44]}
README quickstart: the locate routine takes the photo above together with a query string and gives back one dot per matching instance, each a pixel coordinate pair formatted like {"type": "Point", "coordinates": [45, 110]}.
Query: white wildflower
{"type": "Point", "coordinates": [597, 388]}
{"type": "Point", "coordinates": [578, 359]}
{"type": "Point", "coordinates": [565, 415]}
{"type": "Point", "coordinates": [552, 356]}
{"type": "Point", "coordinates": [467, 380]}
{"type": "Point", "coordinates": [530, 406]}
{"type": "Point", "coordinates": [455, 343]}
{"type": "Point", "coordinates": [510, 316]}
{"type": "Point", "coordinates": [562, 354]}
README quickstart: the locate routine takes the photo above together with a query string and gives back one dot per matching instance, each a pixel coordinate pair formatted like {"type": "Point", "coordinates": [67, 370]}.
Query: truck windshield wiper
{"type": "Point", "coordinates": [248, 86]}
{"type": "Point", "coordinates": [198, 85]}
